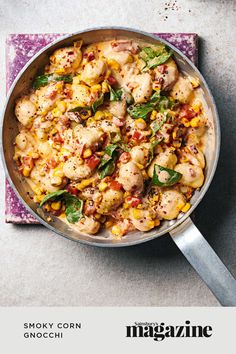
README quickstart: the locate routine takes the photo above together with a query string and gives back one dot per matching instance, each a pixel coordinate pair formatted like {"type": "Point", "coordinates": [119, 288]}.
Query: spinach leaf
{"type": "Point", "coordinates": [108, 169]}
{"type": "Point", "coordinates": [115, 95]}
{"type": "Point", "coordinates": [140, 110]}
{"type": "Point", "coordinates": [151, 151]}
{"type": "Point", "coordinates": [74, 207]}
{"type": "Point", "coordinates": [161, 59]}
{"type": "Point", "coordinates": [41, 80]}
{"type": "Point", "coordinates": [52, 196]}
{"type": "Point", "coordinates": [107, 164]}
{"type": "Point", "coordinates": [65, 78]}
{"type": "Point", "coordinates": [155, 126]}
{"type": "Point", "coordinates": [97, 103]}
{"type": "Point", "coordinates": [108, 154]}
{"type": "Point", "coordinates": [172, 176]}
{"type": "Point", "coordinates": [155, 56]}
{"type": "Point", "coordinates": [155, 98]}
{"type": "Point", "coordinates": [79, 109]}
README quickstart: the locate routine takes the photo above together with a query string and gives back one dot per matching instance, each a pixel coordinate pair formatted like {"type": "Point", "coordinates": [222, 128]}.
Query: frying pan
{"type": "Point", "coordinates": [182, 230]}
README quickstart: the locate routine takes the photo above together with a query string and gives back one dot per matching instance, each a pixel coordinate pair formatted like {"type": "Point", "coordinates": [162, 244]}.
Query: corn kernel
{"type": "Point", "coordinates": [157, 222]}
{"type": "Point", "coordinates": [151, 224]}
{"type": "Point", "coordinates": [56, 205]}
{"type": "Point", "coordinates": [130, 58]}
{"type": "Point", "coordinates": [56, 113]}
{"type": "Point", "coordinates": [194, 81]}
{"type": "Point", "coordinates": [58, 173]}
{"type": "Point", "coordinates": [116, 230]}
{"type": "Point", "coordinates": [60, 71]}
{"type": "Point", "coordinates": [47, 207]}
{"type": "Point", "coordinates": [105, 87]}
{"type": "Point", "coordinates": [140, 166]}
{"type": "Point", "coordinates": [180, 205]}
{"type": "Point", "coordinates": [195, 122]}
{"type": "Point", "coordinates": [26, 171]}
{"type": "Point", "coordinates": [186, 208]}
{"type": "Point", "coordinates": [140, 123]}
{"type": "Point", "coordinates": [108, 224]}
{"type": "Point", "coordinates": [196, 106]}
{"type": "Point", "coordinates": [127, 194]}
{"type": "Point", "coordinates": [174, 134]}
{"type": "Point", "coordinates": [102, 186]}
{"type": "Point", "coordinates": [113, 64]}
{"type": "Point", "coordinates": [185, 122]}
{"type": "Point", "coordinates": [155, 198]}
{"type": "Point", "coordinates": [90, 121]}
{"type": "Point", "coordinates": [126, 206]}
{"type": "Point", "coordinates": [153, 115]}
{"type": "Point", "coordinates": [61, 105]}
{"type": "Point", "coordinates": [87, 153]}
{"type": "Point", "coordinates": [136, 214]}
{"type": "Point", "coordinates": [140, 206]}
{"type": "Point", "coordinates": [85, 183]}
{"type": "Point", "coordinates": [145, 175]}
{"type": "Point", "coordinates": [97, 216]}
{"type": "Point", "coordinates": [36, 199]}
{"type": "Point", "coordinates": [96, 88]}
{"type": "Point", "coordinates": [108, 115]}
{"type": "Point", "coordinates": [99, 115]}
{"type": "Point", "coordinates": [177, 143]}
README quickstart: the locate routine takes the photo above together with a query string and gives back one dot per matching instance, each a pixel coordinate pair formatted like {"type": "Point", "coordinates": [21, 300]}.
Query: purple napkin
{"type": "Point", "coordinates": [19, 49]}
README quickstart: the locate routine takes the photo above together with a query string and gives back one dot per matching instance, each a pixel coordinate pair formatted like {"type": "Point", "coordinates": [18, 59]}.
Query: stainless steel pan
{"type": "Point", "coordinates": [184, 233]}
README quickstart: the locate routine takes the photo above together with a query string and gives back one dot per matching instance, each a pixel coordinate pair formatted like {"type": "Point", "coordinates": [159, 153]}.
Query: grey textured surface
{"type": "Point", "coordinates": [40, 268]}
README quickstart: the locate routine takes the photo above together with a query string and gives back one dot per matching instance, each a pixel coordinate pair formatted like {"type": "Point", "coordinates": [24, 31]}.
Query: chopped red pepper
{"type": "Point", "coordinates": [136, 135]}
{"type": "Point", "coordinates": [111, 80]}
{"type": "Point", "coordinates": [116, 186]}
{"type": "Point", "coordinates": [93, 162]}
{"type": "Point", "coordinates": [133, 201]}
{"type": "Point", "coordinates": [162, 68]}
{"type": "Point", "coordinates": [187, 112]}
{"type": "Point", "coordinates": [72, 189]}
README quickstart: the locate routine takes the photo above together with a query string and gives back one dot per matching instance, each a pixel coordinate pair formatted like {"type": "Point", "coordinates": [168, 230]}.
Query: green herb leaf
{"type": "Point", "coordinates": [140, 110]}
{"type": "Point", "coordinates": [155, 98]}
{"type": "Point", "coordinates": [124, 147]}
{"type": "Point", "coordinates": [155, 56]}
{"type": "Point", "coordinates": [161, 59]}
{"type": "Point", "coordinates": [108, 154]}
{"type": "Point", "coordinates": [98, 103]}
{"type": "Point", "coordinates": [108, 169]}
{"type": "Point", "coordinates": [41, 80]}
{"type": "Point", "coordinates": [74, 207]}
{"type": "Point", "coordinates": [115, 95]}
{"type": "Point", "coordinates": [52, 196]}
{"type": "Point", "coordinates": [107, 164]}
{"type": "Point", "coordinates": [172, 176]}
{"type": "Point", "coordinates": [155, 126]}
{"type": "Point", "coordinates": [79, 109]}
{"type": "Point", "coordinates": [151, 151]}
{"type": "Point", "coordinates": [65, 78]}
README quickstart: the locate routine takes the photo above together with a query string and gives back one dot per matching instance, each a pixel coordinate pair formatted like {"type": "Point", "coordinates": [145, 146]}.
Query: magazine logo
{"type": "Point", "coordinates": [160, 331]}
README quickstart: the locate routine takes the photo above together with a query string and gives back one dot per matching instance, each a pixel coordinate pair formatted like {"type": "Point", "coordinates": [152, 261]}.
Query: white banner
{"type": "Point", "coordinates": [116, 330]}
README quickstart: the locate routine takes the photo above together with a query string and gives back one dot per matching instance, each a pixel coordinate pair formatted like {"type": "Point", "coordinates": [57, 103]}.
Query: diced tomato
{"type": "Point", "coordinates": [136, 135]}
{"type": "Point", "coordinates": [111, 80]}
{"type": "Point", "coordinates": [116, 186]}
{"type": "Point", "coordinates": [162, 68]}
{"type": "Point", "coordinates": [133, 201]}
{"type": "Point", "coordinates": [187, 112]}
{"type": "Point", "coordinates": [93, 162]}
{"type": "Point", "coordinates": [51, 94]}
{"type": "Point", "coordinates": [125, 157]}
{"type": "Point", "coordinates": [72, 189]}
{"type": "Point", "coordinates": [52, 163]}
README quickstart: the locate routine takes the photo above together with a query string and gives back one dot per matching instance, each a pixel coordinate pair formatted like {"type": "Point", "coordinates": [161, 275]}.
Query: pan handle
{"type": "Point", "coordinates": [206, 262]}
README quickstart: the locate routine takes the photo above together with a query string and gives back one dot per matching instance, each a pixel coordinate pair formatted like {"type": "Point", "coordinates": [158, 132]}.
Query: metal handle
{"type": "Point", "coordinates": [206, 262]}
